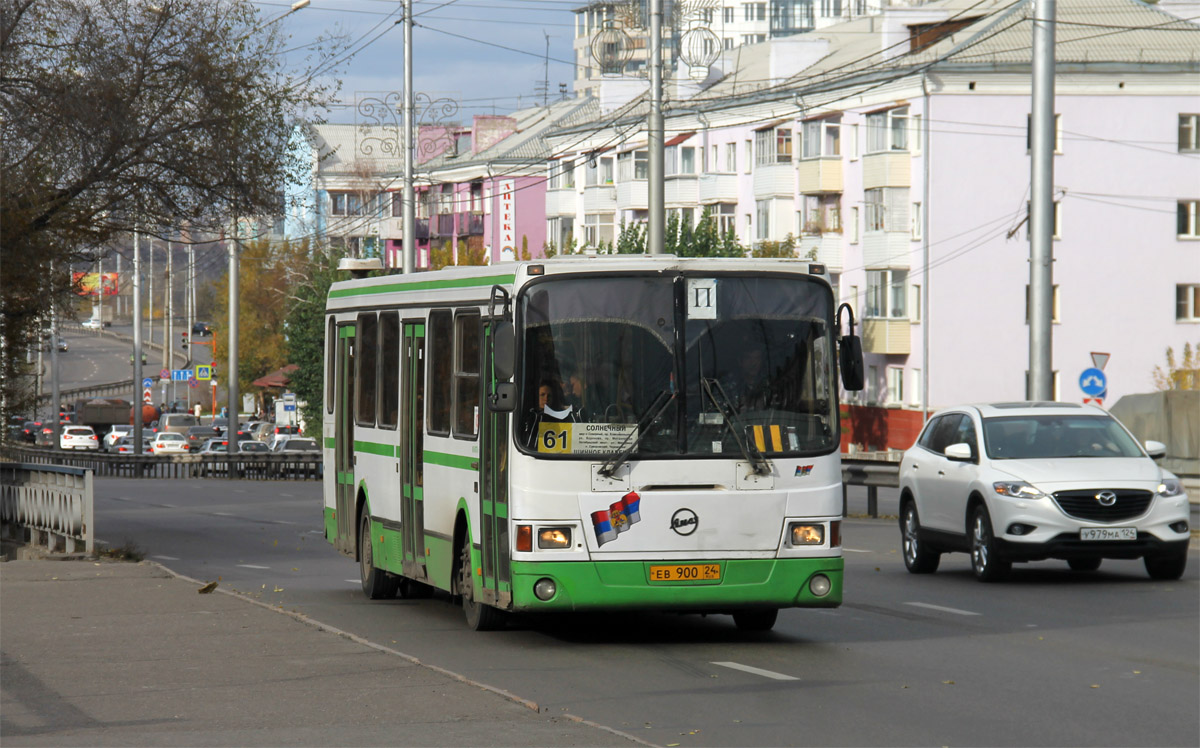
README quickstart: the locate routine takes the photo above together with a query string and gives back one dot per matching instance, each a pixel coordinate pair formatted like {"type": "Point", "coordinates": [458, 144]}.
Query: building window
{"type": "Point", "coordinates": [895, 385]}
{"type": "Point", "coordinates": [763, 209]}
{"type": "Point", "coordinates": [1189, 133]}
{"type": "Point", "coordinates": [1057, 133]}
{"type": "Point", "coordinates": [731, 158]}
{"type": "Point", "coordinates": [1187, 302]}
{"type": "Point", "coordinates": [887, 131]}
{"type": "Point", "coordinates": [773, 145]}
{"type": "Point", "coordinates": [633, 165]}
{"type": "Point", "coordinates": [822, 137]}
{"type": "Point", "coordinates": [914, 390]}
{"type": "Point", "coordinates": [916, 221]}
{"type": "Point", "coordinates": [915, 122]}
{"type": "Point", "coordinates": [598, 228]}
{"type": "Point", "coordinates": [1186, 224]}
{"type": "Point", "coordinates": [729, 39]}
{"type": "Point", "coordinates": [726, 215]}
{"type": "Point", "coordinates": [346, 204]}
{"type": "Point", "coordinates": [886, 294]}
{"type": "Point", "coordinates": [886, 209]}
{"type": "Point", "coordinates": [754, 11]}
{"type": "Point", "coordinates": [679, 160]}
{"type": "Point", "coordinates": [1053, 304]}
{"type": "Point", "coordinates": [599, 171]}
{"type": "Point", "coordinates": [872, 385]}
{"type": "Point", "coordinates": [748, 156]}
{"type": "Point", "coordinates": [854, 225]}
{"type": "Point", "coordinates": [821, 214]}
{"type": "Point", "coordinates": [852, 299]}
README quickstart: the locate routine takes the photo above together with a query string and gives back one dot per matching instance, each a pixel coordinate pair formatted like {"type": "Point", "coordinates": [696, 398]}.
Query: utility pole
{"type": "Point", "coordinates": [169, 307]}
{"type": "Point", "coordinates": [408, 201]}
{"type": "Point", "coordinates": [656, 230]}
{"type": "Point", "coordinates": [55, 403]}
{"type": "Point", "coordinates": [231, 388]}
{"type": "Point", "coordinates": [150, 296]}
{"type": "Point", "coordinates": [1041, 204]}
{"type": "Point", "coordinates": [136, 357]}
{"type": "Point", "coordinates": [120, 307]}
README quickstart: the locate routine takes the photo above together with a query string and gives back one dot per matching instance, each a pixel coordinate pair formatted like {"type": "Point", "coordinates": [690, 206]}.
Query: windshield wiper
{"type": "Point", "coordinates": [716, 393]}
{"type": "Point", "coordinates": [648, 419]}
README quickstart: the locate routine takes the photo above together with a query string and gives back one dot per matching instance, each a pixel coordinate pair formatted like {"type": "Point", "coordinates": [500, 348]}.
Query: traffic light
{"type": "Point", "coordinates": [183, 334]}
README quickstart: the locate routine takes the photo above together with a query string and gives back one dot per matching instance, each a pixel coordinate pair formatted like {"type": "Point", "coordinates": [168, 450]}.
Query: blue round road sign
{"type": "Point", "coordinates": [1093, 382]}
{"type": "Point", "coordinates": [147, 382]}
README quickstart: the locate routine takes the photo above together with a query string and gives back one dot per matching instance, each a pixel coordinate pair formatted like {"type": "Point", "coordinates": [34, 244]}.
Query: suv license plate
{"type": "Point", "coordinates": [1108, 533]}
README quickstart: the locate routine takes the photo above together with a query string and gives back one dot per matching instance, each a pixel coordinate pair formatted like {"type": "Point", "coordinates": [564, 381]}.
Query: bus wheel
{"type": "Point", "coordinates": [376, 584]}
{"type": "Point", "coordinates": [756, 620]}
{"type": "Point", "coordinates": [480, 616]}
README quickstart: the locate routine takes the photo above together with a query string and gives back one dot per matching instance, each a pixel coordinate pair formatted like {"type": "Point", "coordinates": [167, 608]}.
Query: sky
{"type": "Point", "coordinates": [455, 52]}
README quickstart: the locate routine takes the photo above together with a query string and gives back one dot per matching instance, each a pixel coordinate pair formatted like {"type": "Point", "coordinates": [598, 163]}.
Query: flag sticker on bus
{"type": "Point", "coordinates": [584, 438]}
{"type": "Point", "coordinates": [619, 517]}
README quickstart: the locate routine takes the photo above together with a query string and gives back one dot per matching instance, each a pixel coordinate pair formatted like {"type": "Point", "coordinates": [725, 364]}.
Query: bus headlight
{"type": "Point", "coordinates": [805, 534]}
{"type": "Point", "coordinates": [544, 589]}
{"type": "Point", "coordinates": [820, 585]}
{"type": "Point", "coordinates": [554, 537]}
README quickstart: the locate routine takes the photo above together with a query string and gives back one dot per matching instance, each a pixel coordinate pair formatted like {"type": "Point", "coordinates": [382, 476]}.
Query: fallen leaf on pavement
{"type": "Point", "coordinates": [207, 588]}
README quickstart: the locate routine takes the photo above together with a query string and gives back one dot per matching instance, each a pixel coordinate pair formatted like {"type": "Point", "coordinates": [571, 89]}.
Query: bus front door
{"type": "Point", "coordinates": [412, 454]}
{"type": "Point", "coordinates": [493, 495]}
{"type": "Point", "coordinates": [343, 441]}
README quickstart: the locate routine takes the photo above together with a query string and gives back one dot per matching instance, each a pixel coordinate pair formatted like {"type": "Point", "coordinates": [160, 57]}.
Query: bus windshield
{"type": "Point", "coordinates": [720, 365]}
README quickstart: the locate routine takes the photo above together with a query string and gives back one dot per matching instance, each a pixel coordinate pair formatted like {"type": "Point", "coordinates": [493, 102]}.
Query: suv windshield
{"type": "Point", "coordinates": [677, 365]}
{"type": "Point", "coordinates": [1046, 437]}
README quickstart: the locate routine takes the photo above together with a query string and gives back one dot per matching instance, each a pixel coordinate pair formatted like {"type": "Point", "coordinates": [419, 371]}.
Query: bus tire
{"type": "Point", "coordinates": [480, 616]}
{"type": "Point", "coordinates": [376, 584]}
{"type": "Point", "coordinates": [756, 620]}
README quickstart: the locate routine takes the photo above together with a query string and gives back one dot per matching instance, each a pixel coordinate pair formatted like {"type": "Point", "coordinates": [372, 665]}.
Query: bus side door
{"type": "Point", "coordinates": [493, 481]}
{"type": "Point", "coordinates": [343, 440]}
{"type": "Point", "coordinates": [412, 450]}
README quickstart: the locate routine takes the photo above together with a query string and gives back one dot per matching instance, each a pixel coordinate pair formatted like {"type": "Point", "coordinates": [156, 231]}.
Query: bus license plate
{"type": "Point", "coordinates": [1108, 533]}
{"type": "Point", "coordinates": [684, 572]}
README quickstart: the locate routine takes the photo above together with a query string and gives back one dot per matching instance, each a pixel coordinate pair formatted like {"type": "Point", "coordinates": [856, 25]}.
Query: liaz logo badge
{"type": "Point", "coordinates": [803, 470]}
{"type": "Point", "coordinates": [684, 521]}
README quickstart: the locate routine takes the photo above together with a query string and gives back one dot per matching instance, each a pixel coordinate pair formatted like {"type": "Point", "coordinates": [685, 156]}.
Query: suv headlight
{"type": "Point", "coordinates": [1170, 487]}
{"type": "Point", "coordinates": [1017, 490]}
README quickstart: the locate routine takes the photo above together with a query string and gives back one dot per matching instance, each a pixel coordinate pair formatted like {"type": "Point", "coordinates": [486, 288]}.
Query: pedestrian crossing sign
{"type": "Point", "coordinates": [204, 373]}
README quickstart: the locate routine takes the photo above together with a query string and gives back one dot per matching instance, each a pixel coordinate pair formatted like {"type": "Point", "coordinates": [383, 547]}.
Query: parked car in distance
{"type": "Point", "coordinates": [178, 423]}
{"type": "Point", "coordinates": [295, 444]}
{"type": "Point", "coordinates": [169, 443]}
{"type": "Point", "coordinates": [1016, 482]}
{"type": "Point", "coordinates": [197, 435]}
{"type": "Point", "coordinates": [78, 437]}
{"type": "Point", "coordinates": [201, 328]}
{"type": "Point", "coordinates": [214, 446]}
{"type": "Point", "coordinates": [115, 433]}
{"type": "Point", "coordinates": [124, 445]}
{"type": "Point", "coordinates": [253, 447]}
{"type": "Point", "coordinates": [92, 323]}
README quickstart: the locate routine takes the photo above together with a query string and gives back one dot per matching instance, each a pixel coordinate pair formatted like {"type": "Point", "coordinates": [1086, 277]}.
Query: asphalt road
{"type": "Point", "coordinates": [1052, 657]}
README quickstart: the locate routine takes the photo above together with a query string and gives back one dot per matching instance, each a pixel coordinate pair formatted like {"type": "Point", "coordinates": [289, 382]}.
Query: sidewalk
{"type": "Point", "coordinates": [114, 653]}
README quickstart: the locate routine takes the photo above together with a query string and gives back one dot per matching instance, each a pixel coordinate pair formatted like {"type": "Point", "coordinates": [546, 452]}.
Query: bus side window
{"type": "Point", "coordinates": [466, 375]}
{"type": "Point", "coordinates": [441, 339]}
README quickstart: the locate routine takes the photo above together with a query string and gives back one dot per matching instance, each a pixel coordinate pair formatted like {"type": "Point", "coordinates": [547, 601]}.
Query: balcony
{"type": "Point", "coordinates": [817, 175]}
{"type": "Point", "coordinates": [445, 224]}
{"type": "Point", "coordinates": [630, 196]}
{"type": "Point", "coordinates": [681, 191]}
{"type": "Point", "coordinates": [422, 226]}
{"type": "Point", "coordinates": [883, 335]}
{"type": "Point", "coordinates": [561, 202]}
{"type": "Point", "coordinates": [718, 188]}
{"type": "Point", "coordinates": [470, 224]}
{"type": "Point", "coordinates": [887, 170]}
{"type": "Point", "coordinates": [774, 180]}
{"type": "Point", "coordinates": [887, 250]}
{"type": "Point", "coordinates": [828, 247]}
{"type": "Point", "coordinates": [601, 198]}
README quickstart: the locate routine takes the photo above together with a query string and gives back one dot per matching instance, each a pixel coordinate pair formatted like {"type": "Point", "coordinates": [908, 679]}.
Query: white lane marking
{"type": "Point", "coordinates": [223, 514]}
{"type": "Point", "coordinates": [252, 566]}
{"type": "Point", "coordinates": [353, 581]}
{"type": "Point", "coordinates": [166, 558]}
{"type": "Point", "coordinates": [282, 522]}
{"type": "Point", "coordinates": [855, 550]}
{"type": "Point", "coordinates": [755, 671]}
{"type": "Point", "coordinates": [315, 532]}
{"type": "Point", "coordinates": [943, 609]}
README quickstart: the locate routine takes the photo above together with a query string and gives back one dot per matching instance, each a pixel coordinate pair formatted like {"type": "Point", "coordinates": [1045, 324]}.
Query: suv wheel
{"type": "Point", "coordinates": [918, 558]}
{"type": "Point", "coordinates": [1166, 567]}
{"type": "Point", "coordinates": [985, 563]}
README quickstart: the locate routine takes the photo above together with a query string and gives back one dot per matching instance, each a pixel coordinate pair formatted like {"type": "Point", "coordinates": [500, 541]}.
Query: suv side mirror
{"type": "Point", "coordinates": [1156, 450]}
{"type": "Point", "coordinates": [960, 452]}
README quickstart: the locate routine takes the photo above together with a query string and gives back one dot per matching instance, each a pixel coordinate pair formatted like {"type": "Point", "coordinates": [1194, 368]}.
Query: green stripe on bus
{"type": "Point", "coordinates": [414, 331]}
{"type": "Point", "coordinates": [345, 479]}
{"type": "Point", "coordinates": [453, 461]}
{"type": "Point", "coordinates": [423, 286]}
{"type": "Point", "coordinates": [375, 448]}
{"type": "Point", "coordinates": [330, 443]}
{"type": "Point", "coordinates": [346, 331]}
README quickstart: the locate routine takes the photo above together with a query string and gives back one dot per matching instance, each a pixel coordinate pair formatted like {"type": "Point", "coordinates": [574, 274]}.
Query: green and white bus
{"type": "Point", "coordinates": [590, 433]}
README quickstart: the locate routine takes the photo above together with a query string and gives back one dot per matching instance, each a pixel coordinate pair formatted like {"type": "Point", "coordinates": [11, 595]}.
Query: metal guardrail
{"type": "Point", "coordinates": [878, 470]}
{"type": "Point", "coordinates": [249, 466]}
{"type": "Point", "coordinates": [53, 503]}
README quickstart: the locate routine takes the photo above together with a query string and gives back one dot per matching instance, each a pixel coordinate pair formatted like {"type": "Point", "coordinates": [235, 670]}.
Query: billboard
{"type": "Point", "coordinates": [88, 283]}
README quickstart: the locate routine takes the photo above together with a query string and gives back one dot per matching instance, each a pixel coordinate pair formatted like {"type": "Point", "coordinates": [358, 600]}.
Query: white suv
{"type": "Point", "coordinates": [1030, 481]}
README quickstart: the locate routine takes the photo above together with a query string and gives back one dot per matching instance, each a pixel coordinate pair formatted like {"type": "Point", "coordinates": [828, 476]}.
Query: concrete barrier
{"type": "Point", "coordinates": [47, 505]}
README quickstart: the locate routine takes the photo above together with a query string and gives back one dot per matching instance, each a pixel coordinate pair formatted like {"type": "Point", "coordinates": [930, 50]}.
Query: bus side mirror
{"type": "Point", "coordinates": [503, 349]}
{"type": "Point", "coordinates": [503, 398]}
{"type": "Point", "coordinates": [850, 360]}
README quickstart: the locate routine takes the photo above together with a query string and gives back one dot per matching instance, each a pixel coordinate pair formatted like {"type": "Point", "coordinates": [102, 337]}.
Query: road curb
{"type": "Point", "coordinates": [321, 626]}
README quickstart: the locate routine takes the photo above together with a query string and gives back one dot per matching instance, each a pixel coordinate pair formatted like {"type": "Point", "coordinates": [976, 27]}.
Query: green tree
{"type": "Point", "coordinates": [308, 282]}
{"type": "Point", "coordinates": [783, 249]}
{"type": "Point", "coordinates": [632, 239]}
